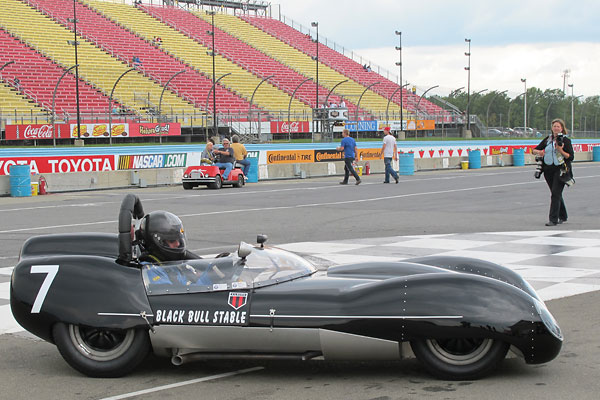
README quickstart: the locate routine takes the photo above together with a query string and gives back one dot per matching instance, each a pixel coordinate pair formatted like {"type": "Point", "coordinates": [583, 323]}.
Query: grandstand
{"type": "Point", "coordinates": [260, 64]}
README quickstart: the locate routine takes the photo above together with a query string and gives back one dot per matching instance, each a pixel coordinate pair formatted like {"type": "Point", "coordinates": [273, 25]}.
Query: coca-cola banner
{"type": "Point", "coordinates": [59, 164]}
{"type": "Point", "coordinates": [155, 129]}
{"type": "Point", "coordinates": [292, 126]}
{"type": "Point", "coordinates": [36, 131]}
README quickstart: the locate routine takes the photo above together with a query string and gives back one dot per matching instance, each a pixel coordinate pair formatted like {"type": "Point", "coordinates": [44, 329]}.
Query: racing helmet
{"type": "Point", "coordinates": [163, 236]}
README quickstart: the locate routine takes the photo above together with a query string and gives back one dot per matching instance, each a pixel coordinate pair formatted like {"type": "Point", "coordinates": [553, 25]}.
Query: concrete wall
{"type": "Point", "coordinates": [172, 176]}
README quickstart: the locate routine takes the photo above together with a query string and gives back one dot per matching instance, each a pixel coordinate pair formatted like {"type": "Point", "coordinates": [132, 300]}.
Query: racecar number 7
{"type": "Point", "coordinates": [51, 271]}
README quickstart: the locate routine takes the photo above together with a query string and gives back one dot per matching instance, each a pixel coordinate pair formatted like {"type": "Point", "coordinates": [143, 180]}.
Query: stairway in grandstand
{"type": "Point", "coordinates": [97, 67]}
{"type": "Point", "coordinates": [38, 76]}
{"type": "Point", "coordinates": [334, 61]}
{"type": "Point", "coordinates": [158, 65]}
{"type": "Point", "coordinates": [190, 48]}
{"type": "Point", "coordinates": [233, 45]}
{"type": "Point", "coordinates": [15, 108]}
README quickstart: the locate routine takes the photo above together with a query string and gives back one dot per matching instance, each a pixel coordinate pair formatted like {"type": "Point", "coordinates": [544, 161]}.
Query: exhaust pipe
{"type": "Point", "coordinates": [179, 359]}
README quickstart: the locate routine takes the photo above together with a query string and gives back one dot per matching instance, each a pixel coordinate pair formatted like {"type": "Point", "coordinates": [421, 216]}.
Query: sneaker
{"type": "Point", "coordinates": [385, 182]}
{"type": "Point", "coordinates": [358, 182]}
{"type": "Point", "coordinates": [550, 223]}
{"type": "Point", "coordinates": [396, 180]}
{"type": "Point", "coordinates": [560, 221]}
{"type": "Point", "coordinates": [343, 183]}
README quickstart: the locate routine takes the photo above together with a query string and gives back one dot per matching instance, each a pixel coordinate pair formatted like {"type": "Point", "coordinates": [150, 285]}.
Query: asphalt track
{"type": "Point", "coordinates": [486, 200]}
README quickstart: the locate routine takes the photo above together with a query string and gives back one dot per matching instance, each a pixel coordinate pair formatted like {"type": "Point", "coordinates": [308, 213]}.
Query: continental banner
{"type": "Point", "coordinates": [151, 161]}
{"type": "Point", "coordinates": [369, 154]}
{"type": "Point", "coordinates": [290, 156]}
{"type": "Point", "coordinates": [328, 155]}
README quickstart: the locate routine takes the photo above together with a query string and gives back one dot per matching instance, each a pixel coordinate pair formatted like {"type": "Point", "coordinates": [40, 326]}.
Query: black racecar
{"type": "Point", "coordinates": [105, 311]}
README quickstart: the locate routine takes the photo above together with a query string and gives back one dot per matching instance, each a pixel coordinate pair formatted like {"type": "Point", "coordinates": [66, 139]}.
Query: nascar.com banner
{"type": "Point", "coordinates": [149, 161]}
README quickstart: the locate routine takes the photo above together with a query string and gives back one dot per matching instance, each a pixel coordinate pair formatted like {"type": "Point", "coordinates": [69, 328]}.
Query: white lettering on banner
{"type": "Point", "coordinates": [6, 164]}
{"type": "Point", "coordinates": [42, 132]}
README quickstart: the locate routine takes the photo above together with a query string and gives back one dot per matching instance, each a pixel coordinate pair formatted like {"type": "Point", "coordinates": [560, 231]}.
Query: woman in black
{"type": "Point", "coordinates": [556, 150]}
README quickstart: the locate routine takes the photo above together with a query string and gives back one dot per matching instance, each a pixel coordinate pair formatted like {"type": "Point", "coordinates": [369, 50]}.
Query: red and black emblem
{"type": "Point", "coordinates": [237, 300]}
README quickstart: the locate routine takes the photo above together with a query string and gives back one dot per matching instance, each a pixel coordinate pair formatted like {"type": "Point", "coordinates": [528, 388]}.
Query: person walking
{"type": "Point", "coordinates": [558, 154]}
{"type": "Point", "coordinates": [389, 152]}
{"type": "Point", "coordinates": [348, 146]}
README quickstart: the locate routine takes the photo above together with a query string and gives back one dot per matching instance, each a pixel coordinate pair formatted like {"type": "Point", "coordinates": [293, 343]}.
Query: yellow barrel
{"type": "Point", "coordinates": [464, 164]}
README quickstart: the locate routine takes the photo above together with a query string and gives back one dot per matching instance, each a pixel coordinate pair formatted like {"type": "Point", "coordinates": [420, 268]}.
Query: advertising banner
{"type": "Point", "coordinates": [338, 114]}
{"type": "Point", "coordinates": [100, 130]}
{"type": "Point", "coordinates": [363, 126]}
{"type": "Point", "coordinates": [393, 124]}
{"type": "Point", "coordinates": [50, 165]}
{"type": "Point", "coordinates": [369, 154]}
{"type": "Point", "coordinates": [420, 125]}
{"type": "Point", "coordinates": [328, 155]}
{"type": "Point", "coordinates": [151, 161]}
{"type": "Point", "coordinates": [292, 127]}
{"type": "Point", "coordinates": [35, 131]}
{"type": "Point", "coordinates": [155, 129]}
{"type": "Point", "coordinates": [290, 156]}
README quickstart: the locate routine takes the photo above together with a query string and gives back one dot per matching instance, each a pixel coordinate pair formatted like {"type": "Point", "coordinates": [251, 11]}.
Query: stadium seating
{"type": "Point", "coordinates": [38, 77]}
{"type": "Point", "coordinates": [97, 67]}
{"type": "Point", "coordinates": [183, 46]}
{"type": "Point", "coordinates": [157, 64]}
{"type": "Point", "coordinates": [338, 61]}
{"type": "Point", "coordinates": [16, 108]}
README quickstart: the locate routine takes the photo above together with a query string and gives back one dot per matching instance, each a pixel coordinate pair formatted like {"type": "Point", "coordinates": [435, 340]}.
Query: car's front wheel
{"type": "Point", "coordinates": [101, 353]}
{"type": "Point", "coordinates": [217, 184]}
{"type": "Point", "coordinates": [460, 358]}
{"type": "Point", "coordinates": [240, 181]}
{"type": "Point", "coordinates": [188, 186]}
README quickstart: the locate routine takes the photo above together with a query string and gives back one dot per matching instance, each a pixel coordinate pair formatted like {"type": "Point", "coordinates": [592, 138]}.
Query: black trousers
{"type": "Point", "coordinates": [557, 204]}
{"type": "Point", "coordinates": [349, 169]}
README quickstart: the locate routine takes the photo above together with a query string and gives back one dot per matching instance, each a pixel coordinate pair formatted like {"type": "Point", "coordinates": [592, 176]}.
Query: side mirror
{"type": "Point", "coordinates": [244, 250]}
{"type": "Point", "coordinates": [261, 239]}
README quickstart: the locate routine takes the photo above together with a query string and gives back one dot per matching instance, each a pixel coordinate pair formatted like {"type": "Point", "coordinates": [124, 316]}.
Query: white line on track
{"type": "Point", "coordinates": [185, 383]}
{"type": "Point", "coordinates": [331, 203]}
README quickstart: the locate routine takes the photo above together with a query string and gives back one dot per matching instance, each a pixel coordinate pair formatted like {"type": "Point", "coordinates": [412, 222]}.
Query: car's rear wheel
{"type": "Point", "coordinates": [101, 353]}
{"type": "Point", "coordinates": [217, 184]}
{"type": "Point", "coordinates": [188, 186]}
{"type": "Point", "coordinates": [240, 181]}
{"type": "Point", "coordinates": [460, 358]}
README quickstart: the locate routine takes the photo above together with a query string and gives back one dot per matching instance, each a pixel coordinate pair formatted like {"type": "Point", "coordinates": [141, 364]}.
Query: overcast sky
{"type": "Point", "coordinates": [510, 39]}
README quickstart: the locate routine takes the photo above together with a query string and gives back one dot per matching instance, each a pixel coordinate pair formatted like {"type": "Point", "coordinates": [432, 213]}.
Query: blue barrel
{"type": "Point", "coordinates": [253, 171]}
{"type": "Point", "coordinates": [474, 159]}
{"type": "Point", "coordinates": [407, 163]}
{"type": "Point", "coordinates": [20, 181]}
{"type": "Point", "coordinates": [596, 153]}
{"type": "Point", "coordinates": [518, 157]}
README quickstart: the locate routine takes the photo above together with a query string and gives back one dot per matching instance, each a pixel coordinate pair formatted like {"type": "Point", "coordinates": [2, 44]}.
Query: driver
{"type": "Point", "coordinates": [162, 238]}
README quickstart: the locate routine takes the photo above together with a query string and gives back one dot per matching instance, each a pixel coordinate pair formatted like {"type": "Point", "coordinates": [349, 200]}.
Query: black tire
{"type": "Point", "coordinates": [460, 359]}
{"type": "Point", "coordinates": [188, 186]}
{"type": "Point", "coordinates": [217, 184]}
{"type": "Point", "coordinates": [101, 353]}
{"type": "Point", "coordinates": [240, 181]}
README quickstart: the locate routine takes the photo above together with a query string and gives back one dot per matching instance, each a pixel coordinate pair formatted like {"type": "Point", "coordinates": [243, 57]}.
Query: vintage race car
{"type": "Point", "coordinates": [105, 310]}
{"type": "Point", "coordinates": [212, 176]}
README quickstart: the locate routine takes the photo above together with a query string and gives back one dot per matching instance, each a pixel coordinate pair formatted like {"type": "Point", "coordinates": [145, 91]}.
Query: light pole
{"type": "Point", "coordinates": [572, 107]}
{"type": "Point", "coordinates": [399, 64]}
{"type": "Point", "coordinates": [316, 58]}
{"type": "Point", "coordinates": [525, 105]}
{"type": "Point", "coordinates": [417, 108]}
{"type": "Point", "coordinates": [455, 92]}
{"type": "Point", "coordinates": [53, 104]}
{"type": "Point", "coordinates": [487, 114]}
{"type": "Point", "coordinates": [75, 43]}
{"type": "Point", "coordinates": [468, 69]}
{"type": "Point", "coordinates": [214, 76]}
{"type": "Point", "coordinates": [110, 103]}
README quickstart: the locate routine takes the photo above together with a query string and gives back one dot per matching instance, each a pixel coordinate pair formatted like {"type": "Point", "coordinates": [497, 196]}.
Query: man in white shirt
{"type": "Point", "coordinates": [389, 152]}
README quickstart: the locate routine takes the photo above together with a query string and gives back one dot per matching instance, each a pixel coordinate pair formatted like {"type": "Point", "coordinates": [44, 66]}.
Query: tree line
{"type": "Point", "coordinates": [497, 109]}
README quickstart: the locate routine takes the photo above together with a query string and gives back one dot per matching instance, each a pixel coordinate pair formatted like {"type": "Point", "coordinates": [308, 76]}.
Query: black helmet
{"type": "Point", "coordinates": [163, 236]}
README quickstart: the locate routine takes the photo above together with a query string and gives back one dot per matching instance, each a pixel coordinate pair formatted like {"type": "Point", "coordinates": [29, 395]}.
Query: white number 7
{"type": "Point", "coordinates": [51, 271]}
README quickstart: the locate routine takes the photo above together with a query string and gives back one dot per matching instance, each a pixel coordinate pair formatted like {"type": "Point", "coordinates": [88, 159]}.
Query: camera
{"type": "Point", "coordinates": [560, 140]}
{"type": "Point", "coordinates": [538, 167]}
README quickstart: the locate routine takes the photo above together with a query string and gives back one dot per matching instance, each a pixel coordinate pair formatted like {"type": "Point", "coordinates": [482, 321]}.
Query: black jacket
{"type": "Point", "coordinates": [568, 147]}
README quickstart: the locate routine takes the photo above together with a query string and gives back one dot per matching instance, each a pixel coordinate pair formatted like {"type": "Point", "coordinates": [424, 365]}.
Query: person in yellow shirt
{"type": "Point", "coordinates": [240, 154]}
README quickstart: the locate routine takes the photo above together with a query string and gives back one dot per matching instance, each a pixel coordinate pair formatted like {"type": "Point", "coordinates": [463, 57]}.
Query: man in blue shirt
{"type": "Point", "coordinates": [348, 145]}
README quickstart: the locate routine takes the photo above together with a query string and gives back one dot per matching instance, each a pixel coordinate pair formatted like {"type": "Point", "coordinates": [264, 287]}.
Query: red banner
{"type": "Point", "coordinates": [36, 131]}
{"type": "Point", "coordinates": [293, 126]}
{"type": "Point", "coordinates": [155, 129]}
{"type": "Point", "coordinates": [48, 165]}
